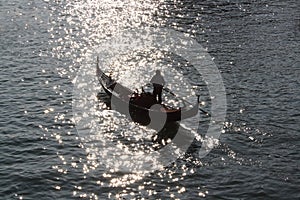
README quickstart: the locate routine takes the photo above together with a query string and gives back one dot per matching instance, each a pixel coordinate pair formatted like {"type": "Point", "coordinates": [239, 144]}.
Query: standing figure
{"type": "Point", "coordinates": [158, 84]}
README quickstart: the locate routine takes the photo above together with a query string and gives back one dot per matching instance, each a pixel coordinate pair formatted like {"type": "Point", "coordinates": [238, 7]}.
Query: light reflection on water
{"type": "Point", "coordinates": [86, 25]}
{"type": "Point", "coordinates": [111, 139]}
{"type": "Point", "coordinates": [81, 27]}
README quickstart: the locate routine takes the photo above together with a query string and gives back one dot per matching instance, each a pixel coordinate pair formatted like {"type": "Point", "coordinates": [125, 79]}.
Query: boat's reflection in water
{"type": "Point", "coordinates": [165, 135]}
{"type": "Point", "coordinates": [169, 132]}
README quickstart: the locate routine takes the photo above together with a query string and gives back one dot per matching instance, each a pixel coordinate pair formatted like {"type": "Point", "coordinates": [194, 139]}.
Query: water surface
{"type": "Point", "coordinates": [254, 45]}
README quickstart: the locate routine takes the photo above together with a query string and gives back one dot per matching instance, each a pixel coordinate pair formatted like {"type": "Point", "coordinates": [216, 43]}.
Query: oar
{"type": "Point", "coordinates": [198, 98]}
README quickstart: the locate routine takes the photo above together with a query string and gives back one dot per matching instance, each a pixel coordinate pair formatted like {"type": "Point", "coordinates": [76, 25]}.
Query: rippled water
{"type": "Point", "coordinates": [46, 47]}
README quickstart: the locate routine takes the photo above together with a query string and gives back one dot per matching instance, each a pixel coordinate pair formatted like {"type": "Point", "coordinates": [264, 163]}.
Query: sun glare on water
{"type": "Point", "coordinates": [117, 149]}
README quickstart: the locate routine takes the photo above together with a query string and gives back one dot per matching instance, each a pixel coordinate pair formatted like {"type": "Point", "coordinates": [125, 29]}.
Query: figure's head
{"type": "Point", "coordinates": [157, 71]}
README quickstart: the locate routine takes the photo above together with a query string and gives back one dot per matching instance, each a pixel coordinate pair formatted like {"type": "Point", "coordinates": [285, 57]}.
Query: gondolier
{"type": "Point", "coordinates": [158, 84]}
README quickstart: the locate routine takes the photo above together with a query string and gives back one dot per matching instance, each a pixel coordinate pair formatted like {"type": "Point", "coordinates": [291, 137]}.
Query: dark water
{"type": "Point", "coordinates": [254, 44]}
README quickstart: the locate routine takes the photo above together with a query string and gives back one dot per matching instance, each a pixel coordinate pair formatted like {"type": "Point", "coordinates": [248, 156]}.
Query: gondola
{"type": "Point", "coordinates": [141, 107]}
